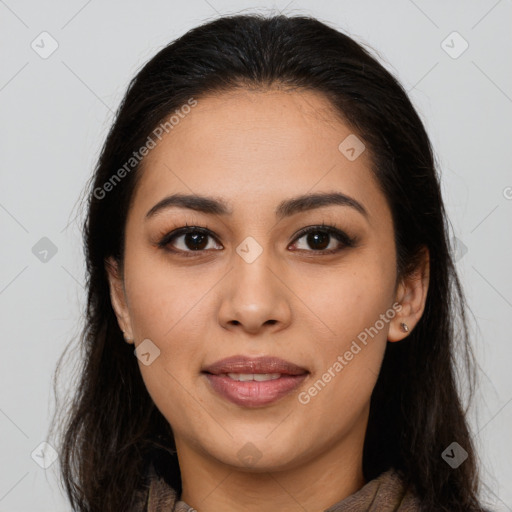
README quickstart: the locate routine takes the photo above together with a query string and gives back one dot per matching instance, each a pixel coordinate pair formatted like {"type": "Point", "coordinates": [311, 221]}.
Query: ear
{"type": "Point", "coordinates": [411, 294]}
{"type": "Point", "coordinates": [118, 297]}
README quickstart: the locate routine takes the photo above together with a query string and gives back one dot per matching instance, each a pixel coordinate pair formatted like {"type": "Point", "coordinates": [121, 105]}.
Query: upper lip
{"type": "Point", "coordinates": [251, 365]}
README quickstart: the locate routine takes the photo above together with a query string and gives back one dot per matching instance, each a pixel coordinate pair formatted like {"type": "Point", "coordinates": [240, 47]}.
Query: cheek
{"type": "Point", "coordinates": [171, 310]}
{"type": "Point", "coordinates": [346, 300]}
{"type": "Point", "coordinates": [337, 396]}
{"type": "Point", "coordinates": [355, 306]}
{"type": "Point", "coordinates": [164, 298]}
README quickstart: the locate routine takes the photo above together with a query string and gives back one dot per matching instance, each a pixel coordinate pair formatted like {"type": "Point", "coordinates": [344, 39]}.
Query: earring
{"type": "Point", "coordinates": [128, 340]}
{"type": "Point", "coordinates": [404, 327]}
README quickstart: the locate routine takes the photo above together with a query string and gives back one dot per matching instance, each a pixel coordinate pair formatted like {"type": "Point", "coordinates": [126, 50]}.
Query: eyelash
{"type": "Point", "coordinates": [331, 230]}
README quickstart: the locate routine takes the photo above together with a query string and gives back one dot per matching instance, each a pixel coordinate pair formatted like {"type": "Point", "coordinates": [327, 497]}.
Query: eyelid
{"type": "Point", "coordinates": [331, 229]}
{"type": "Point", "coordinates": [165, 239]}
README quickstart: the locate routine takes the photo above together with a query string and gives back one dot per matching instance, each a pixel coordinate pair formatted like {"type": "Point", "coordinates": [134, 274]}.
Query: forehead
{"type": "Point", "coordinates": [266, 124]}
{"type": "Point", "coordinates": [256, 146]}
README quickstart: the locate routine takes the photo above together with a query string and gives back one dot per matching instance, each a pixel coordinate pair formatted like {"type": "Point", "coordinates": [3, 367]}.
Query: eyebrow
{"type": "Point", "coordinates": [287, 208]}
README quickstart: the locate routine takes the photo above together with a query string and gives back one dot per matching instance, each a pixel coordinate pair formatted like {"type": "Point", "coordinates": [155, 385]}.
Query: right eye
{"type": "Point", "coordinates": [194, 240]}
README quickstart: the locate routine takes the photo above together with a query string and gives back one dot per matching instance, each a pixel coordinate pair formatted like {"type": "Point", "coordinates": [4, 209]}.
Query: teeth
{"type": "Point", "coordinates": [260, 377]}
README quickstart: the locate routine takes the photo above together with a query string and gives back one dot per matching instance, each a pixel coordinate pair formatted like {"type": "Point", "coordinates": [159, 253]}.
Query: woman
{"type": "Point", "coordinates": [266, 232]}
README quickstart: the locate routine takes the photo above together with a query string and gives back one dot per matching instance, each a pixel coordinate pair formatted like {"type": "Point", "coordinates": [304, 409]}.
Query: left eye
{"type": "Point", "coordinates": [325, 239]}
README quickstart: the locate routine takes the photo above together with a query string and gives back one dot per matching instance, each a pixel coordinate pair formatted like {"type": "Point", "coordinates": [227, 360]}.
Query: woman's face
{"type": "Point", "coordinates": [250, 284]}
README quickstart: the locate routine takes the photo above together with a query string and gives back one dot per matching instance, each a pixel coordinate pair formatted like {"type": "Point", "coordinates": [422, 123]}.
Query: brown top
{"type": "Point", "coordinates": [383, 494]}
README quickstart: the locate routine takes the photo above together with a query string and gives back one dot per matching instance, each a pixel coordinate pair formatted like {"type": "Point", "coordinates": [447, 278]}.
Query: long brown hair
{"type": "Point", "coordinates": [111, 429]}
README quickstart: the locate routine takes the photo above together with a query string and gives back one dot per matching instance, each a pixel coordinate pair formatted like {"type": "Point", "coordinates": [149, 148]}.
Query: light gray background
{"type": "Point", "coordinates": [55, 115]}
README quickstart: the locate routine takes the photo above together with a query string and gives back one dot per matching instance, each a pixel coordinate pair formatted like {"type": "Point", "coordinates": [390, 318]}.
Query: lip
{"type": "Point", "coordinates": [254, 393]}
{"type": "Point", "coordinates": [262, 364]}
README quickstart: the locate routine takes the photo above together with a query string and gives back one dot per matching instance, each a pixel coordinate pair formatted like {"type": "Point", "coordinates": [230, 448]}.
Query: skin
{"type": "Point", "coordinates": [254, 149]}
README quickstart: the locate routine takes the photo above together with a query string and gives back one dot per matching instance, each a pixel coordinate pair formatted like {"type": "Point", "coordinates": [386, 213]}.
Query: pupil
{"type": "Point", "coordinates": [313, 240]}
{"type": "Point", "coordinates": [196, 241]}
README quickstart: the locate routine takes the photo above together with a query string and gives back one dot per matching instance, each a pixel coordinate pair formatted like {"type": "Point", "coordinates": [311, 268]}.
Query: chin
{"type": "Point", "coordinates": [258, 454]}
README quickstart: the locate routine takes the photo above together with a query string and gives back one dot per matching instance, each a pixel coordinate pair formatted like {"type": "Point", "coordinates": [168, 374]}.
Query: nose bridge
{"type": "Point", "coordinates": [252, 267]}
{"type": "Point", "coordinates": [255, 295]}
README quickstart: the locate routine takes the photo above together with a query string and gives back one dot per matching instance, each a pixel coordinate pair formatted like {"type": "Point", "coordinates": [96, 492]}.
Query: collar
{"type": "Point", "coordinates": [385, 493]}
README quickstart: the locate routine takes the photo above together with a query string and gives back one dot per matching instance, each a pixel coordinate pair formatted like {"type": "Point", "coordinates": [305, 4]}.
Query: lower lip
{"type": "Point", "coordinates": [253, 393]}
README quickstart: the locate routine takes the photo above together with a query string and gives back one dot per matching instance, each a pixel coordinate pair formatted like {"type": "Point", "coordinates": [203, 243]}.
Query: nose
{"type": "Point", "coordinates": [254, 297]}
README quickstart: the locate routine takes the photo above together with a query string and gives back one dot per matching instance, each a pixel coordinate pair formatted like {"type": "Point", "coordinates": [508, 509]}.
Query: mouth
{"type": "Point", "coordinates": [254, 382]}
{"type": "Point", "coordinates": [244, 365]}
{"type": "Point", "coordinates": [247, 377]}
